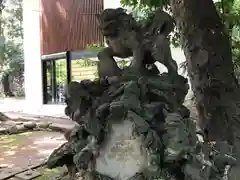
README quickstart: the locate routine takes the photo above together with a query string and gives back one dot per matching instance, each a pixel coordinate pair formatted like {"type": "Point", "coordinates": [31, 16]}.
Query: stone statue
{"type": "Point", "coordinates": [134, 126]}
{"type": "Point", "coordinates": [125, 37]}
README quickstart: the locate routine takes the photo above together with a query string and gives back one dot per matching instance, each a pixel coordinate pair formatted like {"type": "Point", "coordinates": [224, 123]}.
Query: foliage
{"type": "Point", "coordinates": [229, 11]}
{"type": "Point", "coordinates": [95, 48]}
{"type": "Point", "coordinates": [122, 63]}
{"type": "Point", "coordinates": [61, 71]}
{"type": "Point", "coordinates": [86, 62]}
{"type": "Point", "coordinates": [236, 52]}
{"type": "Point", "coordinates": [145, 4]}
{"type": "Point", "coordinates": [12, 18]}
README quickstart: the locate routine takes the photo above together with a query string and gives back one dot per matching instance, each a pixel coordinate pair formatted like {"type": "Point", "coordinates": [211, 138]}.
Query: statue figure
{"type": "Point", "coordinates": [134, 126]}
{"type": "Point", "coordinates": [125, 37]}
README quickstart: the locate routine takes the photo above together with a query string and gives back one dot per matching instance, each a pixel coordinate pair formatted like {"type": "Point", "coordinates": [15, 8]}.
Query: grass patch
{"type": "Point", "coordinates": [50, 173]}
{"type": "Point", "coordinates": [7, 141]}
{"type": "Point", "coordinates": [2, 97]}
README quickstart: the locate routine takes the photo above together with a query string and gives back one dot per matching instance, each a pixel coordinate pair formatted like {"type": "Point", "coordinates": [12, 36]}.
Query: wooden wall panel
{"type": "Point", "coordinates": [69, 25]}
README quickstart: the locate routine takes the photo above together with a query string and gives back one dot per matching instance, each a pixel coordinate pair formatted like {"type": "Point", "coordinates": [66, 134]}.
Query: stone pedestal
{"type": "Point", "coordinates": [122, 155]}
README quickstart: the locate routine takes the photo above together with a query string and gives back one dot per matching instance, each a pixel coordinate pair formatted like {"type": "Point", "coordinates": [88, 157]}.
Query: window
{"type": "Point", "coordinates": [55, 77]}
{"type": "Point", "coordinates": [83, 69]}
{"type": "Point", "coordinates": [61, 68]}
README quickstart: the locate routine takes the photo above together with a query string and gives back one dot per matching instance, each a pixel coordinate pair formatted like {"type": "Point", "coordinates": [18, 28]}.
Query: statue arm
{"type": "Point", "coordinates": [107, 65]}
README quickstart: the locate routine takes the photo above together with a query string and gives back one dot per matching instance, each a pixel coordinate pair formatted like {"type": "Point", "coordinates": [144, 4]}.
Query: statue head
{"type": "Point", "coordinates": [111, 21]}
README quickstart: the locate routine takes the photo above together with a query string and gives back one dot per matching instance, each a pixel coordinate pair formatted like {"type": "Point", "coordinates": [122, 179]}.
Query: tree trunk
{"type": "Point", "coordinates": [6, 85]}
{"type": "Point", "coordinates": [209, 58]}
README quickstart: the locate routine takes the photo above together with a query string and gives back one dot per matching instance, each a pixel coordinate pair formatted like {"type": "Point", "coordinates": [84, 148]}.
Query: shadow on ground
{"type": "Point", "coordinates": [29, 148]}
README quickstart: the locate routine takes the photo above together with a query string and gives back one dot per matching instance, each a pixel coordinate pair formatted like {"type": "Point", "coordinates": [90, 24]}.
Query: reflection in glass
{"type": "Point", "coordinates": [55, 75]}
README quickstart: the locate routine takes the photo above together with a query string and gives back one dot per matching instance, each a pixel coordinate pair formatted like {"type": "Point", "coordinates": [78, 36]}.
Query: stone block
{"type": "Point", "coordinates": [30, 125]}
{"type": "Point", "coordinates": [28, 175]}
{"type": "Point", "coordinates": [8, 173]}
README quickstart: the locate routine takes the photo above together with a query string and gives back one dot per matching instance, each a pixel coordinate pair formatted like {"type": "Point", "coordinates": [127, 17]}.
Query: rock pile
{"type": "Point", "coordinates": [24, 126]}
{"type": "Point", "coordinates": [153, 105]}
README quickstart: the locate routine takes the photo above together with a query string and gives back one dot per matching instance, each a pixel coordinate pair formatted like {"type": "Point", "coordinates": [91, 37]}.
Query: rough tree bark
{"type": "Point", "coordinates": [2, 116]}
{"type": "Point", "coordinates": [5, 78]}
{"type": "Point", "coordinates": [6, 85]}
{"type": "Point", "coordinates": [209, 57]}
{"type": "Point", "coordinates": [2, 6]}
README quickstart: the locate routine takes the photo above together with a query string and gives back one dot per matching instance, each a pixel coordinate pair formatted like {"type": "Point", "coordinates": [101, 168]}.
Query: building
{"type": "Point", "coordinates": [52, 29]}
{"type": "Point", "coordinates": [56, 33]}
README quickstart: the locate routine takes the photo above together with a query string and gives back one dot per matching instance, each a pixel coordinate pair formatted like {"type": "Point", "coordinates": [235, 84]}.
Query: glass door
{"type": "Point", "coordinates": [54, 80]}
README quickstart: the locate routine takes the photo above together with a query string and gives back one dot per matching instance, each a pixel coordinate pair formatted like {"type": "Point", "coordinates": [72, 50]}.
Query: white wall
{"type": "Point", "coordinates": [32, 55]}
{"type": "Point", "coordinates": [111, 4]}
